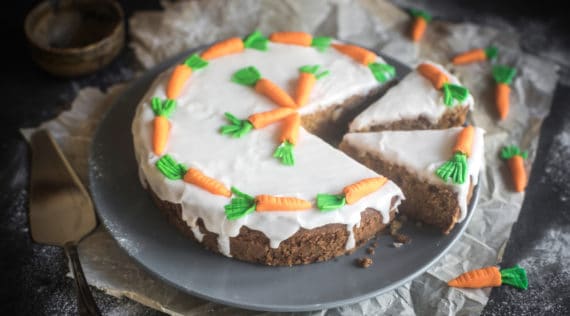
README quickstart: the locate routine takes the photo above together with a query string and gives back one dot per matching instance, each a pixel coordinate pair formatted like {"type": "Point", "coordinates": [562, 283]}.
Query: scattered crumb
{"type": "Point", "coordinates": [402, 238]}
{"type": "Point", "coordinates": [364, 262]}
{"type": "Point", "coordinates": [370, 250]}
{"type": "Point", "coordinates": [395, 227]}
{"type": "Point", "coordinates": [374, 244]}
{"type": "Point", "coordinates": [397, 244]}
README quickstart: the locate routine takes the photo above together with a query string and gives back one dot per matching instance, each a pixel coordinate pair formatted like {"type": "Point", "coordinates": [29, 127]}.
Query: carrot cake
{"type": "Point", "coordinates": [427, 98]}
{"type": "Point", "coordinates": [221, 144]}
{"type": "Point", "coordinates": [436, 169]}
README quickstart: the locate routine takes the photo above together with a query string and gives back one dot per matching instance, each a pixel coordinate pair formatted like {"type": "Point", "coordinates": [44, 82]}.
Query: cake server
{"type": "Point", "coordinates": [61, 211]}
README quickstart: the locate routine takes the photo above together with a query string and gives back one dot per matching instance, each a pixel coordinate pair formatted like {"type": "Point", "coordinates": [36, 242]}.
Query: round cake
{"type": "Point", "coordinates": [230, 144]}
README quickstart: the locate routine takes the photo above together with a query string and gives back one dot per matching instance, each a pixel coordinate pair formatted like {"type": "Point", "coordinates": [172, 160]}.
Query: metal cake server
{"type": "Point", "coordinates": [61, 211]}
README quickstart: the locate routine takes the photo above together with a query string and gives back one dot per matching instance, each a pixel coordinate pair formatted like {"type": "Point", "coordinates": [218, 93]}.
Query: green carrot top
{"type": "Point", "coordinates": [170, 168]}
{"type": "Point", "coordinates": [247, 76]}
{"type": "Point", "coordinates": [163, 108]}
{"type": "Point", "coordinates": [256, 40]}
{"type": "Point", "coordinates": [454, 92]}
{"type": "Point", "coordinates": [314, 69]}
{"type": "Point", "coordinates": [491, 52]}
{"type": "Point", "coordinates": [504, 74]}
{"type": "Point", "coordinates": [195, 62]}
{"type": "Point", "coordinates": [382, 72]}
{"type": "Point", "coordinates": [509, 152]}
{"type": "Point", "coordinates": [321, 43]}
{"type": "Point", "coordinates": [420, 14]}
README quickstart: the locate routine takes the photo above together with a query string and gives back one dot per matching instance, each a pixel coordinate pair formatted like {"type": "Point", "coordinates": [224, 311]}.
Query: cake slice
{"type": "Point", "coordinates": [411, 159]}
{"type": "Point", "coordinates": [427, 98]}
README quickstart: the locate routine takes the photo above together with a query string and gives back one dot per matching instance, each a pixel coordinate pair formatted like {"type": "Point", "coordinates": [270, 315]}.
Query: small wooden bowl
{"type": "Point", "coordinates": [75, 37]}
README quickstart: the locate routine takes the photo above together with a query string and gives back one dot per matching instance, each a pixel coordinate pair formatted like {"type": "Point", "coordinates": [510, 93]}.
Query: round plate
{"type": "Point", "coordinates": [131, 217]}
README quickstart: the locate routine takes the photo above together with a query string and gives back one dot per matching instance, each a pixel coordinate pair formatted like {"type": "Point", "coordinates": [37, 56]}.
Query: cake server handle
{"type": "Point", "coordinates": [85, 302]}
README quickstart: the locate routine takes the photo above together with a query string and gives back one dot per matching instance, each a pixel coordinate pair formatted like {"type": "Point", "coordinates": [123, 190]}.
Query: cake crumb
{"type": "Point", "coordinates": [370, 250]}
{"type": "Point", "coordinates": [395, 227]}
{"type": "Point", "coordinates": [364, 262]}
{"type": "Point", "coordinates": [397, 244]}
{"type": "Point", "coordinates": [374, 244]}
{"type": "Point", "coordinates": [402, 238]}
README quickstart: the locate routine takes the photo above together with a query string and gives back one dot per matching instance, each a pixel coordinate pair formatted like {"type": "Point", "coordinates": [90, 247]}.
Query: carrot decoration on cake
{"type": "Point", "coordinates": [243, 204]}
{"type": "Point", "coordinates": [515, 158]}
{"type": "Point", "coordinates": [492, 277]}
{"type": "Point", "coordinates": [504, 76]}
{"type": "Point", "coordinates": [452, 93]}
{"type": "Point", "coordinates": [176, 171]}
{"type": "Point", "coordinates": [419, 25]}
{"type": "Point", "coordinates": [476, 55]}
{"type": "Point", "coordinates": [250, 76]}
{"type": "Point", "coordinates": [288, 139]}
{"type": "Point", "coordinates": [350, 194]}
{"type": "Point", "coordinates": [381, 72]}
{"type": "Point", "coordinates": [161, 126]}
{"type": "Point", "coordinates": [321, 43]}
{"type": "Point", "coordinates": [181, 74]}
{"type": "Point", "coordinates": [239, 128]}
{"type": "Point", "coordinates": [307, 79]}
{"type": "Point", "coordinates": [236, 45]}
{"type": "Point", "coordinates": [456, 167]}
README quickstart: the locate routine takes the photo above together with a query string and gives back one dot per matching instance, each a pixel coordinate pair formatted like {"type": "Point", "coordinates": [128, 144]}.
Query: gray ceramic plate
{"type": "Point", "coordinates": [128, 212]}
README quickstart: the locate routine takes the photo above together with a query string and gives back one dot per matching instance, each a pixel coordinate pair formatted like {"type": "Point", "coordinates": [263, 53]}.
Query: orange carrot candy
{"type": "Point", "coordinates": [181, 74]}
{"type": "Point", "coordinates": [250, 76]}
{"type": "Point", "coordinates": [381, 72]}
{"type": "Point", "coordinates": [515, 158]}
{"type": "Point", "coordinates": [176, 171]}
{"type": "Point", "coordinates": [288, 139]}
{"type": "Point", "coordinates": [350, 194]}
{"type": "Point", "coordinates": [307, 79]}
{"type": "Point", "coordinates": [504, 76]}
{"type": "Point", "coordinates": [452, 94]}
{"type": "Point", "coordinates": [476, 55]}
{"type": "Point", "coordinates": [433, 74]}
{"type": "Point", "coordinates": [456, 167]}
{"type": "Point", "coordinates": [492, 277]}
{"type": "Point", "coordinates": [238, 128]}
{"type": "Point", "coordinates": [421, 19]}
{"type": "Point", "coordinates": [321, 43]}
{"type": "Point", "coordinates": [161, 126]}
{"type": "Point", "coordinates": [243, 204]}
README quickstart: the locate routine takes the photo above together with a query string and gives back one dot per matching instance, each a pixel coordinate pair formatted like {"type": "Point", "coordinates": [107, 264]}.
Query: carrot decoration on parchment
{"type": "Point", "coordinates": [161, 126]}
{"type": "Point", "coordinates": [181, 73]}
{"type": "Point", "coordinates": [350, 194]}
{"type": "Point", "coordinates": [176, 171]}
{"type": "Point", "coordinates": [381, 72]}
{"type": "Point", "coordinates": [321, 43]}
{"type": "Point", "coordinates": [452, 93]}
{"type": "Point", "coordinates": [503, 76]}
{"type": "Point", "coordinates": [456, 167]}
{"type": "Point", "coordinates": [288, 139]}
{"type": "Point", "coordinates": [515, 158]}
{"type": "Point", "coordinates": [243, 204]}
{"type": "Point", "coordinates": [235, 45]}
{"type": "Point", "coordinates": [476, 55]}
{"type": "Point", "coordinates": [307, 79]}
{"type": "Point", "coordinates": [238, 128]}
{"type": "Point", "coordinates": [250, 76]}
{"type": "Point", "coordinates": [492, 277]}
{"type": "Point", "coordinates": [419, 25]}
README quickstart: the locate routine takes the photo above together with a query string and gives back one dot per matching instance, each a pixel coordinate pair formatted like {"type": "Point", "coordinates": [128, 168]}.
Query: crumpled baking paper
{"type": "Point", "coordinates": [375, 24]}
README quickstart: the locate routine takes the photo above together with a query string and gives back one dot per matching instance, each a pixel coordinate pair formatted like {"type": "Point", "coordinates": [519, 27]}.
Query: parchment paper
{"type": "Point", "coordinates": [375, 24]}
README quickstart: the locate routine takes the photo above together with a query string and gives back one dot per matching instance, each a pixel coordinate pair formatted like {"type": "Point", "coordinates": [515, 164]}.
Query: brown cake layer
{"type": "Point", "coordinates": [305, 246]}
{"type": "Point", "coordinates": [451, 118]}
{"type": "Point", "coordinates": [429, 203]}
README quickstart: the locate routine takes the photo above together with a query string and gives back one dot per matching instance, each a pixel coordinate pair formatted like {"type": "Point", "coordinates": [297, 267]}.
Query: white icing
{"type": "Point", "coordinates": [247, 162]}
{"type": "Point", "coordinates": [423, 152]}
{"type": "Point", "coordinates": [410, 99]}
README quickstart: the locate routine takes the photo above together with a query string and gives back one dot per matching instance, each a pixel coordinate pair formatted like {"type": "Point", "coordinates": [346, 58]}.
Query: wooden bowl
{"type": "Point", "coordinates": [75, 37]}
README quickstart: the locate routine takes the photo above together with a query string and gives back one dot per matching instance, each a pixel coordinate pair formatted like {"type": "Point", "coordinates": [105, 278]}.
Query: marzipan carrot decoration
{"type": "Point", "coordinates": [321, 43]}
{"type": "Point", "coordinates": [492, 277]}
{"type": "Point", "coordinates": [382, 72]}
{"type": "Point", "coordinates": [250, 76]}
{"type": "Point", "coordinates": [238, 128]}
{"type": "Point", "coordinates": [456, 167]}
{"type": "Point", "coordinates": [243, 204]}
{"type": "Point", "coordinates": [433, 74]}
{"type": "Point", "coordinates": [515, 158]}
{"type": "Point", "coordinates": [503, 77]}
{"type": "Point", "coordinates": [181, 73]}
{"type": "Point", "coordinates": [235, 45]}
{"type": "Point", "coordinates": [288, 139]}
{"type": "Point", "coordinates": [452, 93]}
{"type": "Point", "coordinates": [419, 25]}
{"type": "Point", "coordinates": [350, 194]}
{"type": "Point", "coordinates": [161, 126]}
{"type": "Point", "coordinates": [307, 79]}
{"type": "Point", "coordinates": [476, 55]}
{"type": "Point", "coordinates": [176, 171]}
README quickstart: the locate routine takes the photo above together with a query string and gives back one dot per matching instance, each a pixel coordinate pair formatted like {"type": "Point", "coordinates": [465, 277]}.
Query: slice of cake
{"type": "Point", "coordinates": [221, 144]}
{"type": "Point", "coordinates": [427, 98]}
{"type": "Point", "coordinates": [436, 169]}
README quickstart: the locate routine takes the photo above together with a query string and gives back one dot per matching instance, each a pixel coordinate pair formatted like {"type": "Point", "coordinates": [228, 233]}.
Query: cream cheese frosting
{"type": "Point", "coordinates": [410, 99]}
{"type": "Point", "coordinates": [422, 152]}
{"type": "Point", "coordinates": [247, 163]}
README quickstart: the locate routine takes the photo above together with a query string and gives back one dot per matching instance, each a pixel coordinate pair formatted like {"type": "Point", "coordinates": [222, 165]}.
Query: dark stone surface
{"type": "Point", "coordinates": [33, 278]}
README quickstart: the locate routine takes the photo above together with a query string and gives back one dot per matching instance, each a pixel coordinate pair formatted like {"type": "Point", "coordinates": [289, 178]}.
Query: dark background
{"type": "Point", "coordinates": [32, 277]}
